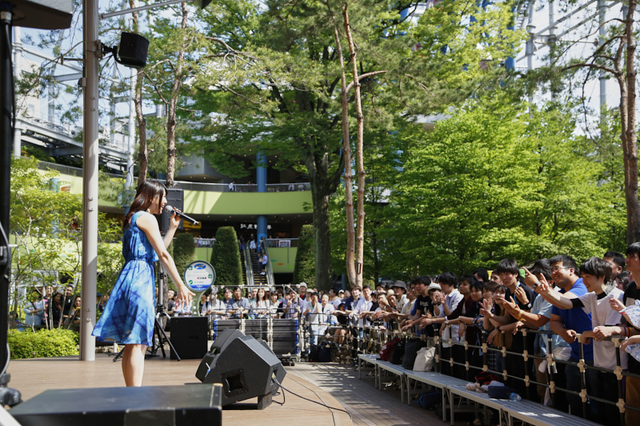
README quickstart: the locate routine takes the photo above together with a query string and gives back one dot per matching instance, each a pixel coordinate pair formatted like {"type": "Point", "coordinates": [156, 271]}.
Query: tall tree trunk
{"type": "Point", "coordinates": [629, 132]}
{"type": "Point", "coordinates": [173, 104]}
{"type": "Point", "coordinates": [359, 155]}
{"type": "Point", "coordinates": [348, 173]}
{"type": "Point", "coordinates": [323, 186]}
{"type": "Point", "coordinates": [143, 152]}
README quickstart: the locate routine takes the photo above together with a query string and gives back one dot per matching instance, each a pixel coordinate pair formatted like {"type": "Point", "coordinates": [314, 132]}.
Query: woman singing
{"type": "Point", "coordinates": [129, 315]}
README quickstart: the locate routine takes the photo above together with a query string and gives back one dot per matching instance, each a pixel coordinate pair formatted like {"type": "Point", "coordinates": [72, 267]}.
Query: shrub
{"type": "Point", "coordinates": [184, 251]}
{"type": "Point", "coordinates": [225, 257]}
{"type": "Point", "coordinates": [305, 266]}
{"type": "Point", "coordinates": [42, 343]}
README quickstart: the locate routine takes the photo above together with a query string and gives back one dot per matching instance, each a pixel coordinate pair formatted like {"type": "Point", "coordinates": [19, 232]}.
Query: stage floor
{"type": "Point", "coordinates": [333, 384]}
{"type": "Point", "coordinates": [33, 376]}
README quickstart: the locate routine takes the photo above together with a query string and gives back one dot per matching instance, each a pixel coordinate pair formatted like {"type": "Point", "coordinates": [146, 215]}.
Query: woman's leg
{"type": "Point", "coordinates": [133, 364]}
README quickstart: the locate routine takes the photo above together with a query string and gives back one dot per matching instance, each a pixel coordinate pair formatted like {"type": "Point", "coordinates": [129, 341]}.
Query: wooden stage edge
{"type": "Point", "coordinates": [33, 376]}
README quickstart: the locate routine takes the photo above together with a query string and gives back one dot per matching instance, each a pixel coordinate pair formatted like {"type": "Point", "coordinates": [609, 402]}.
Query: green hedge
{"type": "Point", "coordinates": [184, 252]}
{"type": "Point", "coordinates": [305, 266]}
{"type": "Point", "coordinates": [225, 257]}
{"type": "Point", "coordinates": [42, 343]}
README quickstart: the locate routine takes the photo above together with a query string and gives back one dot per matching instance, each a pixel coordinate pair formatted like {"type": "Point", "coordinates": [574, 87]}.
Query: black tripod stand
{"type": "Point", "coordinates": [159, 335]}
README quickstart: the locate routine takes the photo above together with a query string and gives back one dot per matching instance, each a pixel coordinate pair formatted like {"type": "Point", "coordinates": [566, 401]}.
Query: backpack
{"type": "Point", "coordinates": [397, 353]}
{"type": "Point", "coordinates": [430, 400]}
{"type": "Point", "coordinates": [324, 352]}
{"type": "Point", "coordinates": [385, 351]}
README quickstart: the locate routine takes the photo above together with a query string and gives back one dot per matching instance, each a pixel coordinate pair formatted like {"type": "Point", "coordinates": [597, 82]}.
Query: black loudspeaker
{"type": "Point", "coordinates": [246, 368]}
{"type": "Point", "coordinates": [45, 14]}
{"type": "Point", "coordinates": [133, 52]}
{"type": "Point", "coordinates": [175, 198]}
{"type": "Point", "coordinates": [185, 405]}
{"type": "Point", "coordinates": [221, 342]}
{"type": "Point", "coordinates": [189, 337]}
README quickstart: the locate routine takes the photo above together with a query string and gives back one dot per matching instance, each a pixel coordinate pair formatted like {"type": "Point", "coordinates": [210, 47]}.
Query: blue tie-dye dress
{"type": "Point", "coordinates": [129, 315]}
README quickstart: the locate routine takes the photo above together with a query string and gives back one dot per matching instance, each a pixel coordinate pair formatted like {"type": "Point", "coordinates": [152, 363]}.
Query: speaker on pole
{"type": "Point", "coordinates": [245, 367]}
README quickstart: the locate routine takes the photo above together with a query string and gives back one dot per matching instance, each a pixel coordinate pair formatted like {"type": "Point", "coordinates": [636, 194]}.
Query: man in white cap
{"type": "Point", "coordinates": [303, 290]}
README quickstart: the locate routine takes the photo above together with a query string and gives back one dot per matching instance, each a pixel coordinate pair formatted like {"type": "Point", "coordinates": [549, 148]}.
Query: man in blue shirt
{"type": "Point", "coordinates": [568, 323]}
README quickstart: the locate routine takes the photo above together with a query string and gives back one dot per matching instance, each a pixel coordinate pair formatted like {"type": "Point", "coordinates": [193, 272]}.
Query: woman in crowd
{"type": "Point", "coordinates": [260, 306]}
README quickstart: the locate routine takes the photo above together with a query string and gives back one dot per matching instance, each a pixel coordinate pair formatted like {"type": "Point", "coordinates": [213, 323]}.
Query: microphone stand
{"type": "Point", "coordinates": [159, 335]}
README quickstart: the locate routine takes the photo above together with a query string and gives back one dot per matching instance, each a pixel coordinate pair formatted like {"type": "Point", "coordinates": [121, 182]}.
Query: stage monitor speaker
{"type": "Point", "coordinates": [175, 198]}
{"type": "Point", "coordinates": [221, 342]}
{"type": "Point", "coordinates": [44, 14]}
{"type": "Point", "coordinates": [189, 336]}
{"type": "Point", "coordinates": [185, 405]}
{"type": "Point", "coordinates": [246, 368]}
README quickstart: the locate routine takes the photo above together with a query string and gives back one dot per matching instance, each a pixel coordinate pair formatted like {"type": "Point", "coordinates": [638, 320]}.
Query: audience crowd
{"type": "Point", "coordinates": [574, 316]}
{"type": "Point", "coordinates": [44, 307]}
{"type": "Point", "coordinates": [576, 319]}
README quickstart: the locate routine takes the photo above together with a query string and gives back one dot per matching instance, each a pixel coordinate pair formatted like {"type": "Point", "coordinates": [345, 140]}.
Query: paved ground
{"type": "Point", "coordinates": [366, 404]}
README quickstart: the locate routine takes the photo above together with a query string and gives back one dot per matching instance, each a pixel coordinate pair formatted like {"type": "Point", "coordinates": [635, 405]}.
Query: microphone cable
{"type": "Point", "coordinates": [273, 376]}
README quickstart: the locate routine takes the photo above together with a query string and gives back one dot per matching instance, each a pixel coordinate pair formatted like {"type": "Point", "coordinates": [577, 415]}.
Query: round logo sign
{"type": "Point", "coordinates": [199, 276]}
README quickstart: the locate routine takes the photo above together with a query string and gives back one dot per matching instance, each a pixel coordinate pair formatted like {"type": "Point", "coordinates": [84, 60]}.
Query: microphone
{"type": "Point", "coordinates": [180, 214]}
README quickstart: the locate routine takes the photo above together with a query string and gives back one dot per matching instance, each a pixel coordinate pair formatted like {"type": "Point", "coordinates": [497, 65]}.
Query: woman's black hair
{"type": "Point", "coordinates": [144, 197]}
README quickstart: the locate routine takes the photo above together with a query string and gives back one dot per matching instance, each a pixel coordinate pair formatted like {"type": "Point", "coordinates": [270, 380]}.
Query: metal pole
{"type": "Point", "coordinates": [6, 135]}
{"type": "Point", "coordinates": [17, 71]}
{"type": "Point", "coordinates": [90, 180]}
{"type": "Point", "coordinates": [602, 11]}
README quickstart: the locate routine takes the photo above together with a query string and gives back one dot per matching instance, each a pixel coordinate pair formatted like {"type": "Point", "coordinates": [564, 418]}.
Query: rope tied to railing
{"type": "Point", "coordinates": [618, 372]}
{"type": "Point", "coordinates": [620, 405]}
{"type": "Point", "coordinates": [583, 395]}
{"type": "Point", "coordinates": [582, 365]}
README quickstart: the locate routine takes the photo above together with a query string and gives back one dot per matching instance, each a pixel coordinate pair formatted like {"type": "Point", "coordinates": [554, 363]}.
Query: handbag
{"type": "Point", "coordinates": [424, 359]}
{"type": "Point", "coordinates": [410, 351]}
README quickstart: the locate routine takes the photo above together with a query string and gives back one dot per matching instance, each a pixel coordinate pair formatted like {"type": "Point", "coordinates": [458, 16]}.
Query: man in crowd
{"type": "Point", "coordinates": [240, 307]}
{"type": "Point", "coordinates": [567, 323]}
{"type": "Point", "coordinates": [616, 261]}
{"type": "Point", "coordinates": [67, 307]}
{"type": "Point", "coordinates": [400, 290]}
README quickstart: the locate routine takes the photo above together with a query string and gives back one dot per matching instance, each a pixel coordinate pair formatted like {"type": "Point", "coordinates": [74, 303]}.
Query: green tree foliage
{"type": "Point", "coordinates": [496, 181]}
{"type": "Point", "coordinates": [184, 251]}
{"type": "Point", "coordinates": [46, 226]}
{"type": "Point", "coordinates": [225, 257]}
{"type": "Point", "coordinates": [304, 269]}
{"type": "Point", "coordinates": [274, 87]}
